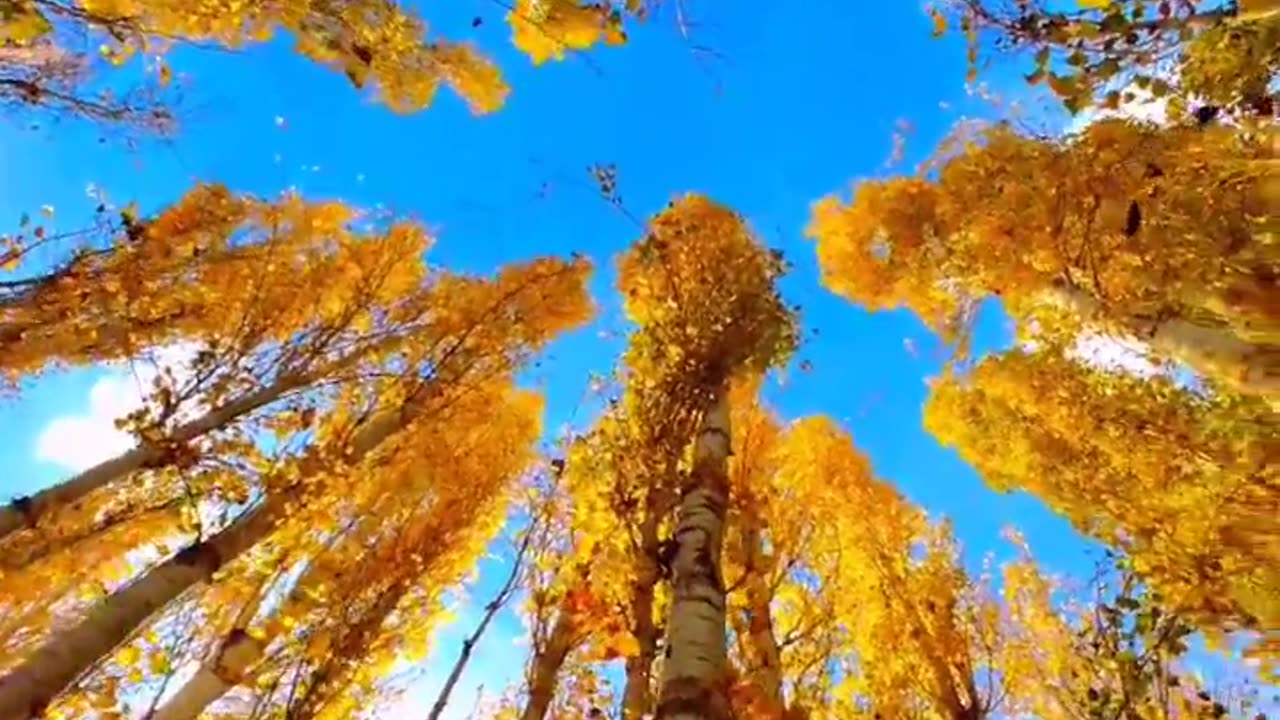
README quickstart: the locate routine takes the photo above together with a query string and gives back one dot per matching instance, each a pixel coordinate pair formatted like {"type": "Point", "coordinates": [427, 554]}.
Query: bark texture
{"type": "Point", "coordinates": [693, 671]}
{"type": "Point", "coordinates": [545, 670]}
{"type": "Point", "coordinates": [637, 696]}
{"type": "Point", "coordinates": [238, 654]}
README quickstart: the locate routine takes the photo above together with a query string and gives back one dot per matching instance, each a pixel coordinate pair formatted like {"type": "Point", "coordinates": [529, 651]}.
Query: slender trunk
{"type": "Point", "coordinates": [32, 510]}
{"type": "Point", "coordinates": [1213, 351]}
{"type": "Point", "coordinates": [237, 653]}
{"type": "Point", "coordinates": [468, 645]}
{"type": "Point", "coordinates": [51, 669]}
{"type": "Point", "coordinates": [637, 700]}
{"type": "Point", "coordinates": [766, 657]}
{"type": "Point", "coordinates": [693, 673]}
{"type": "Point", "coordinates": [544, 675]}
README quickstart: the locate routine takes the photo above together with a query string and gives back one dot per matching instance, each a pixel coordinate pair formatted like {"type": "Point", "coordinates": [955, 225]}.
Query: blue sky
{"type": "Point", "coordinates": [806, 99]}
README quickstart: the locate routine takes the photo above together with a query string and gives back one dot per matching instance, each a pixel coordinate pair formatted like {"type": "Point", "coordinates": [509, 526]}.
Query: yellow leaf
{"type": "Point", "coordinates": [130, 655]}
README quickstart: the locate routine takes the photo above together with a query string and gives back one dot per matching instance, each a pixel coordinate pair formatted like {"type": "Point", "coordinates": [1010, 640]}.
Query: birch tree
{"type": "Point", "coordinates": [491, 329]}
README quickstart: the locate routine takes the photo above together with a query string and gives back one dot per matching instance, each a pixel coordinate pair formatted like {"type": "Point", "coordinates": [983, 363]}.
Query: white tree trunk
{"type": "Point", "coordinates": [52, 668]}
{"type": "Point", "coordinates": [238, 654]}
{"type": "Point", "coordinates": [693, 671]}
{"type": "Point", "coordinates": [30, 511]}
{"type": "Point", "coordinates": [1215, 352]}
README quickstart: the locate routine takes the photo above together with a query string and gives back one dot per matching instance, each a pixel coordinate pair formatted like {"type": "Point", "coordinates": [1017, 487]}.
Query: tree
{"type": "Point", "coordinates": [424, 533]}
{"type": "Point", "coordinates": [377, 44]}
{"type": "Point", "coordinates": [595, 584]}
{"type": "Point", "coordinates": [241, 292]}
{"type": "Point", "coordinates": [1158, 234]}
{"type": "Point", "coordinates": [701, 291]}
{"type": "Point", "coordinates": [489, 330]}
{"type": "Point", "coordinates": [1110, 652]}
{"type": "Point", "coordinates": [846, 609]}
{"type": "Point", "coordinates": [1178, 481]}
{"type": "Point", "coordinates": [36, 73]}
{"type": "Point", "coordinates": [1220, 53]}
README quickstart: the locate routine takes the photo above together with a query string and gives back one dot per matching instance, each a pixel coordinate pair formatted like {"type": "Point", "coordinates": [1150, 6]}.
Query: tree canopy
{"type": "Point", "coordinates": [344, 429]}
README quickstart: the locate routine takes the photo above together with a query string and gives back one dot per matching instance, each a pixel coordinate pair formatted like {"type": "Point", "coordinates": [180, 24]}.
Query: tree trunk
{"type": "Point", "coordinates": [693, 673]}
{"type": "Point", "coordinates": [497, 603]}
{"type": "Point", "coordinates": [51, 669]}
{"type": "Point", "coordinates": [545, 673]}
{"type": "Point", "coordinates": [766, 657]}
{"type": "Point", "coordinates": [30, 511]}
{"type": "Point", "coordinates": [1215, 352]}
{"type": "Point", "coordinates": [238, 652]}
{"type": "Point", "coordinates": [637, 696]}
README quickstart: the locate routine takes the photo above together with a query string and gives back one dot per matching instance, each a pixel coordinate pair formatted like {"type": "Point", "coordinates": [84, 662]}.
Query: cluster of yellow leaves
{"type": "Point", "coordinates": [1131, 226]}
{"type": "Point", "coordinates": [545, 29]}
{"type": "Point", "coordinates": [417, 523]}
{"type": "Point", "coordinates": [211, 264]}
{"type": "Point", "coordinates": [377, 44]}
{"type": "Point", "coordinates": [33, 598]}
{"type": "Point", "coordinates": [21, 23]}
{"type": "Point", "coordinates": [1111, 51]}
{"type": "Point", "coordinates": [1185, 484]}
{"type": "Point", "coordinates": [703, 291]}
{"type": "Point", "coordinates": [1106, 649]}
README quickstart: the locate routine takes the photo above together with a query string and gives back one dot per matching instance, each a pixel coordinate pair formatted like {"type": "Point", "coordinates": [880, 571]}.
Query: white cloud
{"type": "Point", "coordinates": [82, 439]}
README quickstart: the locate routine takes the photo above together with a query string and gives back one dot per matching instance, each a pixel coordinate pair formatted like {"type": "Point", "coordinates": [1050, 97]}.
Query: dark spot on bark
{"type": "Point", "coordinates": [201, 555]}
{"type": "Point", "coordinates": [687, 696]}
{"type": "Point", "coordinates": [23, 506]}
{"type": "Point", "coordinates": [1206, 114]}
{"type": "Point", "coordinates": [1133, 222]}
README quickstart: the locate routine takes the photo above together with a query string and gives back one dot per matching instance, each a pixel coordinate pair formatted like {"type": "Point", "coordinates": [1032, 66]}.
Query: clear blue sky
{"type": "Point", "coordinates": [806, 99]}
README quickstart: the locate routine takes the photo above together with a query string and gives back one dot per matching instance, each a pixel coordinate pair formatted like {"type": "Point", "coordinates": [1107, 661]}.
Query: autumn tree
{"type": "Point", "coordinates": [1182, 482]}
{"type": "Point", "coordinates": [1127, 229]}
{"type": "Point", "coordinates": [1107, 649]}
{"type": "Point", "coordinates": [701, 290]}
{"type": "Point", "coordinates": [239, 293]}
{"type": "Point", "coordinates": [378, 44]}
{"type": "Point", "coordinates": [485, 329]}
{"type": "Point", "coordinates": [423, 533]}
{"type": "Point", "coordinates": [37, 73]}
{"type": "Point", "coordinates": [595, 594]}
{"type": "Point", "coordinates": [566, 608]}
{"type": "Point", "coordinates": [1223, 55]}
{"type": "Point", "coordinates": [845, 597]}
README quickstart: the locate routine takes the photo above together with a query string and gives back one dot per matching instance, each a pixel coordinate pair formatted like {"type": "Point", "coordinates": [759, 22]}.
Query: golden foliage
{"type": "Point", "coordinates": [1114, 51]}
{"type": "Point", "coordinates": [1163, 234]}
{"type": "Point", "coordinates": [1183, 483]}
{"type": "Point", "coordinates": [545, 29]}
